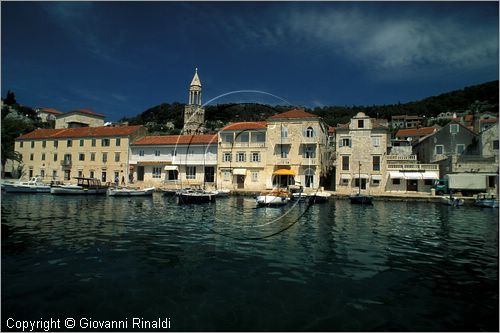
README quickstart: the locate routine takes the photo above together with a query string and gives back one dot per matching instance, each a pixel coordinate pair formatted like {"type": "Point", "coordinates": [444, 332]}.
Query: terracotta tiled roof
{"type": "Point", "coordinates": [102, 131]}
{"type": "Point", "coordinates": [489, 120]}
{"type": "Point", "coordinates": [177, 139]}
{"type": "Point", "coordinates": [422, 131]}
{"type": "Point", "coordinates": [84, 111]}
{"type": "Point", "coordinates": [50, 110]}
{"type": "Point", "coordinates": [248, 125]}
{"type": "Point", "coordinates": [294, 114]}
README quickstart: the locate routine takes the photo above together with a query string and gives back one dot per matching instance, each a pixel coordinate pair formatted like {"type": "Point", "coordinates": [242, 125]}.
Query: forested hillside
{"type": "Point", "coordinates": [168, 118]}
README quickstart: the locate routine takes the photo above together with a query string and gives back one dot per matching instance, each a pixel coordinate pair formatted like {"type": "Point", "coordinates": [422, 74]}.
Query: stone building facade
{"type": "Point", "coordinates": [79, 118]}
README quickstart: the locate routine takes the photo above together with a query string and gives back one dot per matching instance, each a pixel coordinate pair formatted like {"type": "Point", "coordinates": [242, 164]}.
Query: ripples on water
{"type": "Point", "coordinates": [393, 266]}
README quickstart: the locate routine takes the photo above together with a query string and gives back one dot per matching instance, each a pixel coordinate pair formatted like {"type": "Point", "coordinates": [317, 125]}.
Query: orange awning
{"type": "Point", "coordinates": [284, 172]}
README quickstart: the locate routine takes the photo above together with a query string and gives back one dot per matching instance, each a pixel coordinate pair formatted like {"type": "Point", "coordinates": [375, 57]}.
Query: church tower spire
{"type": "Point", "coordinates": [194, 113]}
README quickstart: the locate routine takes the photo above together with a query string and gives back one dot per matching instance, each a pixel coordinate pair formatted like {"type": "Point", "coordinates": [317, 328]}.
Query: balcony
{"type": "Point", "coordinates": [401, 158]}
{"type": "Point", "coordinates": [309, 161]}
{"type": "Point", "coordinates": [66, 164]}
{"type": "Point", "coordinates": [413, 167]}
{"type": "Point", "coordinates": [309, 140]}
{"type": "Point", "coordinates": [283, 161]}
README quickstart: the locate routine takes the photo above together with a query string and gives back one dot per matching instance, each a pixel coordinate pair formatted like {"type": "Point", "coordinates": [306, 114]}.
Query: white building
{"type": "Point", "coordinates": [175, 160]}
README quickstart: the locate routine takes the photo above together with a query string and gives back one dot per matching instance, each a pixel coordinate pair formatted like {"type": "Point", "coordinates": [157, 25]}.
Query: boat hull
{"type": "Point", "coordinates": [360, 199]}
{"type": "Point", "coordinates": [486, 203]}
{"type": "Point", "coordinates": [452, 201]}
{"type": "Point", "coordinates": [271, 200]}
{"type": "Point", "coordinates": [13, 188]}
{"type": "Point", "coordinates": [68, 190]}
{"type": "Point", "coordinates": [130, 192]}
{"type": "Point", "coordinates": [195, 198]}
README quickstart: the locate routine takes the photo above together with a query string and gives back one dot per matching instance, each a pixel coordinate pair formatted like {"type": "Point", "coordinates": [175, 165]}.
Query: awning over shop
{"type": "Point", "coordinates": [413, 175]}
{"type": "Point", "coordinates": [239, 172]}
{"type": "Point", "coordinates": [284, 172]}
{"type": "Point", "coordinates": [345, 176]}
{"type": "Point", "coordinates": [171, 167]}
{"type": "Point", "coordinates": [430, 175]}
{"type": "Point", "coordinates": [377, 177]}
{"type": "Point", "coordinates": [396, 175]}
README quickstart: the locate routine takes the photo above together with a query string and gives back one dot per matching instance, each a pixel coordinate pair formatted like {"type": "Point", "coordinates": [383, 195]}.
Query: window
{"type": "Point", "coordinates": [43, 156]}
{"type": "Point", "coordinates": [241, 157]}
{"type": "Point", "coordinates": [309, 132]}
{"type": "Point", "coordinates": [157, 153]}
{"type": "Point", "coordinates": [56, 143]}
{"type": "Point", "coordinates": [454, 128]}
{"type": "Point", "coordinates": [376, 182]}
{"type": "Point", "coordinates": [243, 137]}
{"type": "Point", "coordinates": [361, 123]}
{"type": "Point", "coordinates": [54, 174]}
{"type": "Point", "coordinates": [67, 175]}
{"type": "Point", "coordinates": [172, 175]}
{"type": "Point", "coordinates": [190, 152]}
{"type": "Point", "coordinates": [376, 163]}
{"type": "Point", "coordinates": [117, 157]}
{"type": "Point", "coordinates": [92, 156]}
{"type": "Point", "coordinates": [439, 149]}
{"type": "Point", "coordinates": [21, 144]}
{"type": "Point", "coordinates": [344, 182]}
{"type": "Point", "coordinates": [227, 137]}
{"type": "Point", "coordinates": [103, 176]}
{"type": "Point", "coordinates": [118, 142]}
{"type": "Point", "coordinates": [55, 157]}
{"type": "Point", "coordinates": [80, 173]}
{"type": "Point", "coordinates": [81, 157]}
{"type": "Point", "coordinates": [82, 143]}
{"type": "Point", "coordinates": [31, 157]}
{"type": "Point", "coordinates": [345, 142]}
{"type": "Point", "coordinates": [226, 157]}
{"type": "Point", "coordinates": [93, 142]}
{"type": "Point", "coordinates": [209, 174]}
{"type": "Point", "coordinates": [69, 143]}
{"type": "Point", "coordinates": [156, 172]}
{"type": "Point", "coordinates": [495, 144]}
{"type": "Point", "coordinates": [67, 157]}
{"type": "Point", "coordinates": [255, 156]}
{"type": "Point", "coordinates": [258, 137]}
{"type": "Point", "coordinates": [191, 172]}
{"type": "Point", "coordinates": [396, 181]}
{"type": "Point", "coordinates": [44, 144]}
{"type": "Point", "coordinates": [284, 153]}
{"type": "Point", "coordinates": [104, 157]}
{"type": "Point", "coordinates": [460, 148]}
{"type": "Point", "coordinates": [92, 174]}
{"type": "Point", "coordinates": [174, 152]}
{"type": "Point", "coordinates": [255, 176]}
{"type": "Point", "coordinates": [42, 173]}
{"type": "Point", "coordinates": [345, 162]}
{"type": "Point", "coordinates": [141, 152]}
{"type": "Point", "coordinates": [284, 132]}
{"type": "Point", "coordinates": [376, 141]}
{"type": "Point", "coordinates": [32, 144]}
{"type": "Point", "coordinates": [309, 152]}
{"type": "Point", "coordinates": [226, 175]}
{"type": "Point", "coordinates": [105, 142]}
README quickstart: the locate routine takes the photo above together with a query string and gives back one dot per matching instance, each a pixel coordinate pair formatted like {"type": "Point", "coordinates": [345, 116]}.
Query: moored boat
{"type": "Point", "coordinates": [34, 185]}
{"type": "Point", "coordinates": [83, 186]}
{"type": "Point", "coordinates": [273, 198]}
{"type": "Point", "coordinates": [128, 192]}
{"type": "Point", "coordinates": [319, 197]}
{"type": "Point", "coordinates": [195, 197]}
{"type": "Point", "coordinates": [489, 200]}
{"type": "Point", "coordinates": [361, 199]}
{"type": "Point", "coordinates": [452, 201]}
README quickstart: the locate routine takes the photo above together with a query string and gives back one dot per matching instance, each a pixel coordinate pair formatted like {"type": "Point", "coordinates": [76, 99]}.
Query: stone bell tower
{"type": "Point", "coordinates": [194, 113]}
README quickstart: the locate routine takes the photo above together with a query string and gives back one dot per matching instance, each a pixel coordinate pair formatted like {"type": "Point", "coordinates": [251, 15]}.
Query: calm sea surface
{"type": "Point", "coordinates": [394, 266]}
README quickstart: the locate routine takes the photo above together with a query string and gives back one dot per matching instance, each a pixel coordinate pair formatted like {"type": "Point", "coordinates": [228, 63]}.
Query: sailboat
{"type": "Point", "coordinates": [361, 198]}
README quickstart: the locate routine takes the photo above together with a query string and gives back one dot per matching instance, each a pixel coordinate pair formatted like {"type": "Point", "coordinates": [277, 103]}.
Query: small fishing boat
{"type": "Point", "coordinates": [273, 198]}
{"type": "Point", "coordinates": [489, 200]}
{"type": "Point", "coordinates": [452, 201]}
{"type": "Point", "coordinates": [34, 185]}
{"type": "Point", "coordinates": [83, 186]}
{"type": "Point", "coordinates": [129, 192]}
{"type": "Point", "coordinates": [361, 198]}
{"type": "Point", "coordinates": [195, 197]}
{"type": "Point", "coordinates": [319, 197]}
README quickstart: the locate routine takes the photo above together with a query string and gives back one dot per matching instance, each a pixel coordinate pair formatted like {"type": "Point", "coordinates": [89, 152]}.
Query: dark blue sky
{"type": "Point", "coordinates": [120, 58]}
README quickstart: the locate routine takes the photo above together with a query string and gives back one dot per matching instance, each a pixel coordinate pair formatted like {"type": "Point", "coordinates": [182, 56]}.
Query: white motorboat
{"type": "Point", "coordinates": [34, 185]}
{"type": "Point", "coordinates": [83, 186]}
{"type": "Point", "coordinates": [128, 192]}
{"type": "Point", "coordinates": [273, 198]}
{"type": "Point", "coordinates": [452, 201]}
{"type": "Point", "coordinates": [319, 197]}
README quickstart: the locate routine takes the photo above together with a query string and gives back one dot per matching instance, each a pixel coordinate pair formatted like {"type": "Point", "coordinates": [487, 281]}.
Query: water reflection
{"type": "Point", "coordinates": [394, 265]}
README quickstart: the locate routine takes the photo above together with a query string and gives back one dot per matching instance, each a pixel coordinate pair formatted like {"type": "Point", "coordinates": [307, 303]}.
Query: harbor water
{"type": "Point", "coordinates": [393, 266]}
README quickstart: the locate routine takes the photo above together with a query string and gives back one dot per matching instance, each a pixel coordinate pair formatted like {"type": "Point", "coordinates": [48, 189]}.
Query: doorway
{"type": "Point", "coordinates": [140, 173]}
{"type": "Point", "coordinates": [240, 181]}
{"type": "Point", "coordinates": [412, 185]}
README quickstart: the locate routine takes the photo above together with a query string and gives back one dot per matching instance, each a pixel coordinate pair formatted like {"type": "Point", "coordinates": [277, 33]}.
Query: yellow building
{"type": "Point", "coordinates": [61, 154]}
{"type": "Point", "coordinates": [79, 118]}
